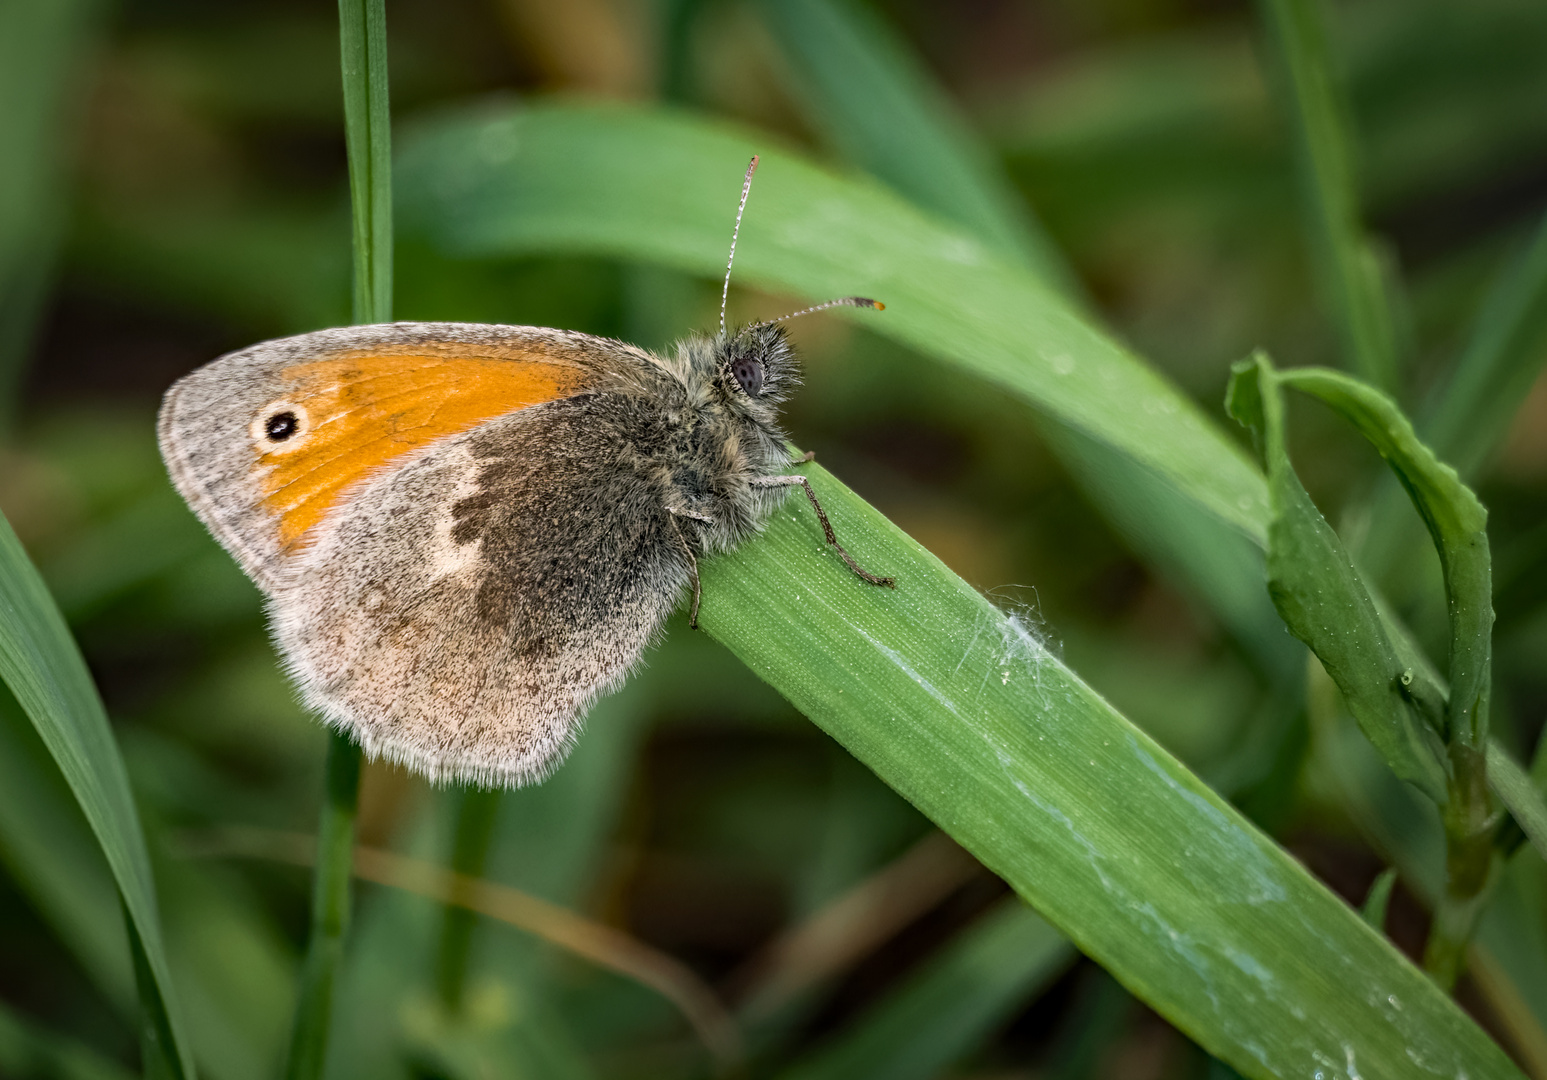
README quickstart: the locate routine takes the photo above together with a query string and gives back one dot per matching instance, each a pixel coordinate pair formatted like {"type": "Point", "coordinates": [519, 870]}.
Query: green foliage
{"type": "Point", "coordinates": [964, 712]}
{"type": "Point", "coordinates": [41, 665]}
{"type": "Point", "coordinates": [1077, 222]}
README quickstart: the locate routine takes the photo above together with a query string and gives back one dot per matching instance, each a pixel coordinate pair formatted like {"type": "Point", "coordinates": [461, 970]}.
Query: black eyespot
{"type": "Point", "coordinates": [281, 426]}
{"type": "Point", "coordinates": [749, 373]}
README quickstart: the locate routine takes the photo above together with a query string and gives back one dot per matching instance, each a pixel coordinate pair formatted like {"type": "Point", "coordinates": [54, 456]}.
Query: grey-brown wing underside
{"type": "Point", "coordinates": [460, 614]}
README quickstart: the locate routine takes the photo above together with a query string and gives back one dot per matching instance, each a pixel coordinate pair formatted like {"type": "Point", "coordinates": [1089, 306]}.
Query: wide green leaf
{"type": "Point", "coordinates": [41, 664]}
{"type": "Point", "coordinates": [962, 710]}
{"type": "Point", "coordinates": [644, 185]}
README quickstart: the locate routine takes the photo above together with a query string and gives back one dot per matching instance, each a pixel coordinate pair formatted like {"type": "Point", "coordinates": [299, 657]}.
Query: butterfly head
{"type": "Point", "coordinates": [755, 366]}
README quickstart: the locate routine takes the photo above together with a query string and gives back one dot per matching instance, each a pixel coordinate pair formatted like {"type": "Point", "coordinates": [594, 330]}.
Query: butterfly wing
{"type": "Point", "coordinates": [457, 556]}
{"type": "Point", "coordinates": [461, 613]}
{"type": "Point", "coordinates": [264, 442]}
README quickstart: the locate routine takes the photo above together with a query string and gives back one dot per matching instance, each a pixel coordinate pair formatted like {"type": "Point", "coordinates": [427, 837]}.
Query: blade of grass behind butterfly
{"type": "Point", "coordinates": [1146, 869]}
{"type": "Point", "coordinates": [40, 663]}
{"type": "Point", "coordinates": [945, 1011]}
{"type": "Point", "coordinates": [498, 181]}
{"type": "Point", "coordinates": [883, 110]}
{"type": "Point", "coordinates": [368, 135]}
{"type": "Point", "coordinates": [42, 49]}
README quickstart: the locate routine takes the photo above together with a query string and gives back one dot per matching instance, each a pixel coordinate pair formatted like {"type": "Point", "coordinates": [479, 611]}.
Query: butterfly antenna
{"type": "Point", "coordinates": [725, 292]}
{"type": "Point", "coordinates": [842, 301]}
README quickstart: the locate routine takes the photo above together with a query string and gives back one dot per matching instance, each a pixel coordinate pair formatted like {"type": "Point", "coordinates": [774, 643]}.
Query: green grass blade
{"type": "Point", "coordinates": [331, 899]}
{"type": "Point", "coordinates": [1350, 270]}
{"type": "Point", "coordinates": [41, 49]}
{"type": "Point", "coordinates": [1514, 787]}
{"type": "Point", "coordinates": [368, 135]}
{"type": "Point", "coordinates": [41, 664]}
{"type": "Point", "coordinates": [505, 181]}
{"type": "Point", "coordinates": [965, 714]}
{"type": "Point", "coordinates": [882, 109]}
{"type": "Point", "coordinates": [476, 815]}
{"type": "Point", "coordinates": [945, 1011]}
{"type": "Point", "coordinates": [1325, 604]}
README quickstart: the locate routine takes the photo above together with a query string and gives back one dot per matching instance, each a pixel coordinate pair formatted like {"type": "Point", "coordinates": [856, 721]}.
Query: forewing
{"type": "Point", "coordinates": [459, 614]}
{"type": "Point", "coordinates": [362, 401]}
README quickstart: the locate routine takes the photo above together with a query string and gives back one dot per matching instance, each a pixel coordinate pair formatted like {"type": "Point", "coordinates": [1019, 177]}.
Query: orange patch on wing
{"type": "Point", "coordinates": [365, 410]}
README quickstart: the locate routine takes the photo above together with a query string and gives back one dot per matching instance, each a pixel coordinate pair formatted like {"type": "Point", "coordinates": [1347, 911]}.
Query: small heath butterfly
{"type": "Point", "coordinates": [466, 533]}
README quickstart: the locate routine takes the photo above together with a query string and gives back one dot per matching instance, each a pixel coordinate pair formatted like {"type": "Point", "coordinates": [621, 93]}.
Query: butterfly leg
{"type": "Point", "coordinates": [687, 550]}
{"type": "Point", "coordinates": [827, 526]}
{"type": "Point", "coordinates": [809, 455]}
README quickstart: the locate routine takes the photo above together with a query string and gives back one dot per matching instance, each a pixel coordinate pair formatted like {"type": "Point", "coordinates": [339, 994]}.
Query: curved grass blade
{"type": "Point", "coordinates": [964, 713]}
{"type": "Point", "coordinates": [632, 183]}
{"type": "Point", "coordinates": [1324, 603]}
{"type": "Point", "coordinates": [41, 664]}
{"type": "Point", "coordinates": [1458, 525]}
{"type": "Point", "coordinates": [942, 1013]}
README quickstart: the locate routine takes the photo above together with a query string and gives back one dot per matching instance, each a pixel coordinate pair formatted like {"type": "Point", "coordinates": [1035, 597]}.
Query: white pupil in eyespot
{"type": "Point", "coordinates": [749, 373]}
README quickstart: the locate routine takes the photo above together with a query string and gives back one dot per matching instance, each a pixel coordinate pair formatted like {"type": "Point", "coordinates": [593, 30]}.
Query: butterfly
{"type": "Point", "coordinates": [466, 533]}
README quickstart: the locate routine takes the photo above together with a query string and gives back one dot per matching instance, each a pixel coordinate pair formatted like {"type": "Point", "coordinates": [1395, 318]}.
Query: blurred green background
{"type": "Point", "coordinates": [173, 185]}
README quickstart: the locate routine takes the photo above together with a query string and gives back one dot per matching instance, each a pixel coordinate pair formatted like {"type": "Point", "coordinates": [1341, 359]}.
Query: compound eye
{"type": "Point", "coordinates": [749, 373]}
{"type": "Point", "coordinates": [281, 426]}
